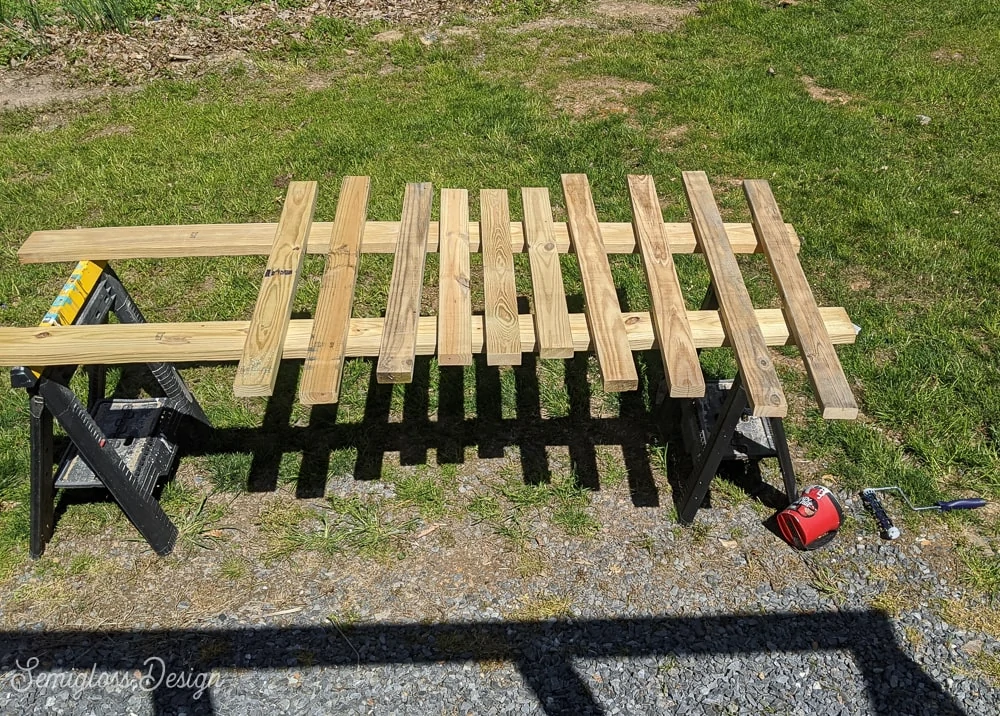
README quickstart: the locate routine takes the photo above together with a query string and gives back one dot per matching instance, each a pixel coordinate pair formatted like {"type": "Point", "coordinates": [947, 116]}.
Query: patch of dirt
{"type": "Point", "coordinates": [553, 23]}
{"type": "Point", "coordinates": [948, 55]}
{"type": "Point", "coordinates": [113, 130]}
{"type": "Point", "coordinates": [598, 96]}
{"type": "Point", "coordinates": [19, 90]}
{"type": "Point", "coordinates": [663, 17]}
{"type": "Point", "coordinates": [824, 94]}
{"type": "Point", "coordinates": [389, 36]}
{"type": "Point", "coordinates": [669, 138]}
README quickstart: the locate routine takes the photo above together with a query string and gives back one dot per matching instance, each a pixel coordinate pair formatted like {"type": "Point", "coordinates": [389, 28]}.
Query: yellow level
{"type": "Point", "coordinates": [68, 304]}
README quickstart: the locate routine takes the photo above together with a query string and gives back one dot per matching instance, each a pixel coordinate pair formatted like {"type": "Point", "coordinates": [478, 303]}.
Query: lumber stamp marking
{"type": "Point", "coordinates": [324, 362]}
{"type": "Point", "coordinates": [503, 339]}
{"type": "Point", "coordinates": [825, 372]}
{"type": "Point", "coordinates": [680, 357]}
{"type": "Point", "coordinates": [551, 313]}
{"type": "Point", "coordinates": [395, 362]}
{"type": "Point", "coordinates": [763, 388]}
{"type": "Point", "coordinates": [601, 300]}
{"type": "Point", "coordinates": [265, 339]}
{"type": "Point", "coordinates": [454, 297]}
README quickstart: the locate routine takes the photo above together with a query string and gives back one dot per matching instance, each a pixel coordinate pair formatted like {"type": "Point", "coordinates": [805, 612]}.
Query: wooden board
{"type": "Point", "coordinates": [551, 313]}
{"type": "Point", "coordinates": [601, 300]}
{"type": "Point", "coordinates": [151, 242]}
{"type": "Point", "coordinates": [395, 363]}
{"type": "Point", "coordinates": [759, 377]}
{"type": "Point", "coordinates": [454, 297]}
{"type": "Point", "coordinates": [325, 360]}
{"type": "Point", "coordinates": [122, 343]}
{"type": "Point", "coordinates": [825, 372]}
{"type": "Point", "coordinates": [265, 338]}
{"type": "Point", "coordinates": [680, 357]}
{"type": "Point", "coordinates": [503, 340]}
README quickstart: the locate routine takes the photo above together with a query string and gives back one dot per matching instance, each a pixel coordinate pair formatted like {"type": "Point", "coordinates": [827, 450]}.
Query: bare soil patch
{"type": "Point", "coordinates": [664, 17]}
{"type": "Point", "coordinates": [598, 96]}
{"type": "Point", "coordinates": [824, 94]}
{"type": "Point", "coordinates": [19, 90]}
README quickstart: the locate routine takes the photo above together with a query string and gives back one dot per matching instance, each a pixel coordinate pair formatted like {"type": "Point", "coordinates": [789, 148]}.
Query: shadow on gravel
{"type": "Point", "coordinates": [542, 651]}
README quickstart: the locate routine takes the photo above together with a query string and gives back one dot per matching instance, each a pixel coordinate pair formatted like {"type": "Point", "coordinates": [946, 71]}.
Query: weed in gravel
{"type": "Point", "coordinates": [424, 493]}
{"type": "Point", "coordinates": [989, 666]}
{"type": "Point", "coordinates": [645, 543]}
{"type": "Point", "coordinates": [197, 520]}
{"type": "Point", "coordinates": [575, 521]}
{"type": "Point", "coordinates": [234, 568]}
{"type": "Point", "coordinates": [541, 607]}
{"type": "Point", "coordinates": [367, 527]}
{"type": "Point", "coordinates": [530, 563]}
{"type": "Point", "coordinates": [824, 582]}
{"type": "Point", "coordinates": [981, 572]}
{"type": "Point", "coordinates": [968, 617]}
{"type": "Point", "coordinates": [891, 601]}
{"type": "Point", "coordinates": [914, 636]}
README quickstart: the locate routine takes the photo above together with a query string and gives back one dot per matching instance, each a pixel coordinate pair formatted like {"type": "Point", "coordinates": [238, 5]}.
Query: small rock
{"type": "Point", "coordinates": [923, 119]}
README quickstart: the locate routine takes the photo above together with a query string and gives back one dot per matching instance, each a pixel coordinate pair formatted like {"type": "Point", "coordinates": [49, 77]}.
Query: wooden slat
{"type": "Point", "coordinates": [454, 297]}
{"type": "Point", "coordinates": [181, 241]}
{"type": "Point", "coordinates": [324, 363]}
{"type": "Point", "coordinates": [503, 340]}
{"type": "Point", "coordinates": [223, 340]}
{"type": "Point", "coordinates": [395, 361]}
{"type": "Point", "coordinates": [265, 339]}
{"type": "Point", "coordinates": [825, 372]}
{"type": "Point", "coordinates": [601, 300]}
{"type": "Point", "coordinates": [551, 313]}
{"type": "Point", "coordinates": [759, 377]}
{"type": "Point", "coordinates": [680, 357]}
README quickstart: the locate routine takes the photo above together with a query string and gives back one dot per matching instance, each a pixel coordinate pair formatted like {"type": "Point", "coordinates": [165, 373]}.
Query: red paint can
{"type": "Point", "coordinates": [812, 520]}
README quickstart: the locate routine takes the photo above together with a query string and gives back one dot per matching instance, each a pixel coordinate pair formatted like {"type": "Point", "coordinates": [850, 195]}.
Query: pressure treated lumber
{"type": "Point", "coordinates": [551, 313]}
{"type": "Point", "coordinates": [181, 241]}
{"type": "Point", "coordinates": [825, 372]}
{"type": "Point", "coordinates": [454, 297]}
{"type": "Point", "coordinates": [503, 339]}
{"type": "Point", "coordinates": [258, 367]}
{"type": "Point", "coordinates": [395, 363]}
{"type": "Point", "coordinates": [223, 340]}
{"type": "Point", "coordinates": [324, 362]}
{"type": "Point", "coordinates": [756, 368]}
{"type": "Point", "coordinates": [600, 298]}
{"type": "Point", "coordinates": [680, 357]}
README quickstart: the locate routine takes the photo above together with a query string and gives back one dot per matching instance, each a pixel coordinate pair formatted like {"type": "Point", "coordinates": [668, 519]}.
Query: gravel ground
{"type": "Point", "coordinates": [688, 621]}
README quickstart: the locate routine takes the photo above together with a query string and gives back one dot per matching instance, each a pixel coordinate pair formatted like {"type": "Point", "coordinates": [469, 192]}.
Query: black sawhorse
{"type": "Point", "coordinates": [125, 446]}
{"type": "Point", "coordinates": [716, 430]}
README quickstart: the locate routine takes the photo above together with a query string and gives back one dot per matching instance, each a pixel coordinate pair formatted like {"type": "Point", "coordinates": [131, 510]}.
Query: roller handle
{"type": "Point", "coordinates": [971, 503]}
{"type": "Point", "coordinates": [873, 505]}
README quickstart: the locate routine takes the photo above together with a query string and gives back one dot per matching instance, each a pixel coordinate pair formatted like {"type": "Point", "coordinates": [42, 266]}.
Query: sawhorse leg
{"type": "Point", "coordinates": [140, 507]}
{"type": "Point", "coordinates": [43, 499]}
{"type": "Point", "coordinates": [784, 459]}
{"type": "Point", "coordinates": [707, 462]}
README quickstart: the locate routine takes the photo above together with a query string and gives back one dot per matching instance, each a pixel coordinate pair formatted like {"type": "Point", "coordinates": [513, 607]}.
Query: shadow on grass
{"type": "Point", "coordinates": [450, 433]}
{"type": "Point", "coordinates": [542, 651]}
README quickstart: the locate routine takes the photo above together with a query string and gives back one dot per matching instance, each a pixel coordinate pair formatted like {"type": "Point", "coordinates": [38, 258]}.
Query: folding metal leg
{"type": "Point", "coordinates": [42, 487]}
{"type": "Point", "coordinates": [165, 374]}
{"type": "Point", "coordinates": [136, 501]}
{"type": "Point", "coordinates": [784, 459]}
{"type": "Point", "coordinates": [706, 464]}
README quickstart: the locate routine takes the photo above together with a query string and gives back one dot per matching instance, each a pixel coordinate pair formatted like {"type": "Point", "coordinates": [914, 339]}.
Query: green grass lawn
{"type": "Point", "coordinates": [898, 216]}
